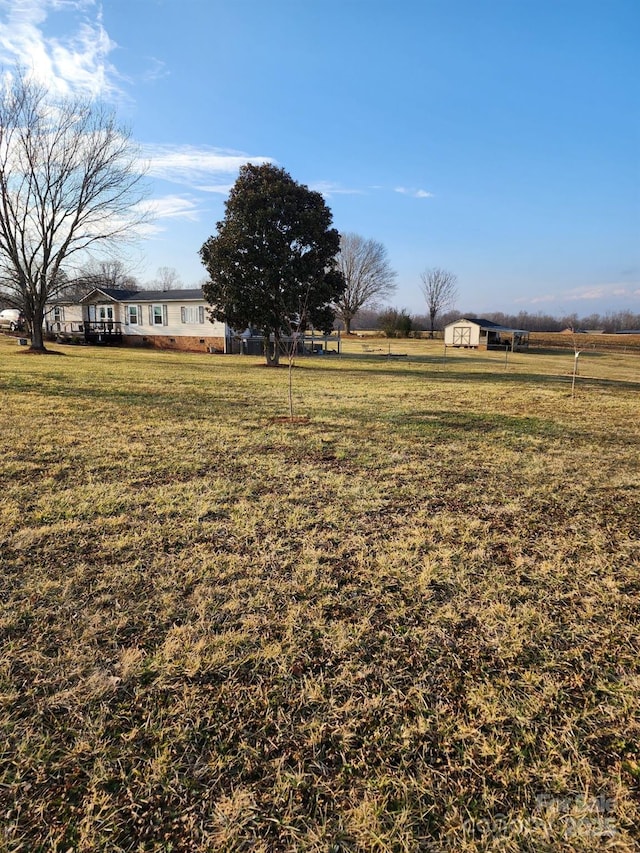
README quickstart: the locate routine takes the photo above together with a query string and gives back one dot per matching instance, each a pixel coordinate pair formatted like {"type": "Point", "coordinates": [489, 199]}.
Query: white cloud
{"type": "Point", "coordinates": [329, 189]}
{"type": "Point", "coordinates": [586, 293]}
{"type": "Point", "coordinates": [220, 189]}
{"type": "Point", "coordinates": [193, 166]}
{"type": "Point", "coordinates": [413, 192]}
{"type": "Point", "coordinates": [600, 291]}
{"type": "Point", "coordinates": [155, 212]}
{"type": "Point", "coordinates": [156, 71]}
{"type": "Point", "coordinates": [75, 64]}
{"type": "Point", "coordinates": [172, 207]}
{"type": "Point", "coordinates": [535, 300]}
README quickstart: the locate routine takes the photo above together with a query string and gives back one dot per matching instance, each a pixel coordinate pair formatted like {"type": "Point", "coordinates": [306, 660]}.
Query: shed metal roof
{"type": "Point", "coordinates": [489, 325]}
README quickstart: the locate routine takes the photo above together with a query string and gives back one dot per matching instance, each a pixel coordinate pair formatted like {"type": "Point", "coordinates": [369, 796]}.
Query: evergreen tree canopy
{"type": "Point", "coordinates": [272, 264]}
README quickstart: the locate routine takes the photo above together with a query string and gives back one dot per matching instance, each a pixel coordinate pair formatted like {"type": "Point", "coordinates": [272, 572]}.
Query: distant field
{"type": "Point", "coordinates": [408, 622]}
{"type": "Point", "coordinates": [624, 343]}
{"type": "Point", "coordinates": [545, 340]}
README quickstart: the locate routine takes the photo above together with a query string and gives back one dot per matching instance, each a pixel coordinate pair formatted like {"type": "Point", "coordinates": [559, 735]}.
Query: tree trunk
{"type": "Point", "coordinates": [37, 339]}
{"type": "Point", "coordinates": [347, 325]}
{"type": "Point", "coordinates": [291, 385]}
{"type": "Point", "coordinates": [272, 350]}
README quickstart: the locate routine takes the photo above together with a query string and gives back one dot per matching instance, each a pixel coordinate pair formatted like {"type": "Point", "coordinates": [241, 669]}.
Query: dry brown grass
{"type": "Point", "coordinates": [583, 341]}
{"type": "Point", "coordinates": [409, 623]}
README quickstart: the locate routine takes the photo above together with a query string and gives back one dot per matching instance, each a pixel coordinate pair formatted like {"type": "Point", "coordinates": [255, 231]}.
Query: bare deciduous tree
{"type": "Point", "coordinates": [112, 274]}
{"type": "Point", "coordinates": [369, 277]}
{"type": "Point", "coordinates": [167, 278]}
{"type": "Point", "coordinates": [440, 292]}
{"type": "Point", "coordinates": [70, 182]}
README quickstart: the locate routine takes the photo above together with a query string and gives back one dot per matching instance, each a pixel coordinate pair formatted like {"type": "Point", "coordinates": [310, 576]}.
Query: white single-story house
{"type": "Point", "coordinates": [484, 334]}
{"type": "Point", "coordinates": [167, 319]}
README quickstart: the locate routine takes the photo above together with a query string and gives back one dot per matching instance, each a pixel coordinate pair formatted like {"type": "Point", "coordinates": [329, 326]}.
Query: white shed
{"type": "Point", "coordinates": [477, 333]}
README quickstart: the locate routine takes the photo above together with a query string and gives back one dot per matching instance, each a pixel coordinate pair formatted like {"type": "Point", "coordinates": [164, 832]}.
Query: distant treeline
{"type": "Point", "coordinates": [619, 321]}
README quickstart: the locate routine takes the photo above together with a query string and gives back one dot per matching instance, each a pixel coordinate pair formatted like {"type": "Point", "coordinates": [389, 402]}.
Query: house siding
{"type": "Point", "coordinates": [63, 317]}
{"type": "Point", "coordinates": [166, 320]}
{"type": "Point", "coordinates": [177, 330]}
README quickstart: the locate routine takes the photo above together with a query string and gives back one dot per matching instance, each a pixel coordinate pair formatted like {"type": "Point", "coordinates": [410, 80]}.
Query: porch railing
{"type": "Point", "coordinates": [91, 330]}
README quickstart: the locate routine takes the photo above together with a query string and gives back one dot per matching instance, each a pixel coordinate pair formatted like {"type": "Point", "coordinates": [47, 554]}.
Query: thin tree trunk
{"type": "Point", "coordinates": [291, 357]}
{"type": "Point", "coordinates": [272, 350]}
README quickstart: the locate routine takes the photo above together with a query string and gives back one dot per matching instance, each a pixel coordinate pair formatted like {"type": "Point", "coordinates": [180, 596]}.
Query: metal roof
{"type": "Point", "coordinates": [489, 325]}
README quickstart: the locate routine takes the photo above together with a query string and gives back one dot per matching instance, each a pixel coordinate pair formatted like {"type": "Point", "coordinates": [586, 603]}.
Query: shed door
{"type": "Point", "coordinates": [461, 336]}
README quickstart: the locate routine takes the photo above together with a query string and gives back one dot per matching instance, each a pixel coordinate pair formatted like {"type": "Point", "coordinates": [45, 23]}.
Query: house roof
{"type": "Point", "coordinates": [116, 295]}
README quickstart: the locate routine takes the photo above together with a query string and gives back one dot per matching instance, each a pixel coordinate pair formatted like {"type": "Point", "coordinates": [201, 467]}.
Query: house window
{"type": "Point", "coordinates": [192, 314]}
{"type": "Point", "coordinates": [58, 314]}
{"type": "Point", "coordinates": [158, 315]}
{"type": "Point", "coordinates": [132, 315]}
{"type": "Point", "coordinates": [105, 312]}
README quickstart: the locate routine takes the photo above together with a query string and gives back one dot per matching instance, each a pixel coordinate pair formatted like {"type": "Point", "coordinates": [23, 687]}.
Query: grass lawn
{"type": "Point", "coordinates": [408, 623]}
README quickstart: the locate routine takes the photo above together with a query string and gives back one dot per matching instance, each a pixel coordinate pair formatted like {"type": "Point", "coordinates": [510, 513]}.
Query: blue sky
{"type": "Point", "coordinates": [499, 139]}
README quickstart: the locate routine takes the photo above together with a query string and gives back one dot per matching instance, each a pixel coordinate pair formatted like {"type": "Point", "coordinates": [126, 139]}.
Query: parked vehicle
{"type": "Point", "coordinates": [11, 319]}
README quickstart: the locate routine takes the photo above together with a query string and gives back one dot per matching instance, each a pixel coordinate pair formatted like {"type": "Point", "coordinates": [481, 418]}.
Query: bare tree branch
{"type": "Point", "coordinates": [368, 275]}
{"type": "Point", "coordinates": [440, 292]}
{"type": "Point", "coordinates": [70, 183]}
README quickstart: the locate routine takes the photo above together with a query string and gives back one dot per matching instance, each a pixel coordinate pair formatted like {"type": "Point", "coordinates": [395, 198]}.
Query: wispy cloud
{"type": "Point", "coordinates": [535, 300]}
{"type": "Point", "coordinates": [157, 70]}
{"type": "Point", "coordinates": [75, 64]}
{"type": "Point", "coordinates": [156, 214]}
{"type": "Point", "coordinates": [219, 189]}
{"type": "Point", "coordinates": [329, 189]}
{"type": "Point", "coordinates": [600, 291]}
{"type": "Point", "coordinates": [196, 166]}
{"type": "Point", "coordinates": [587, 293]}
{"type": "Point", "coordinates": [414, 193]}
{"type": "Point", "coordinates": [172, 207]}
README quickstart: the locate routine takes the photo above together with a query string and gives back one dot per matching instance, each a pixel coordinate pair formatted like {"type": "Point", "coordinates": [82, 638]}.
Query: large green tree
{"type": "Point", "coordinates": [272, 264]}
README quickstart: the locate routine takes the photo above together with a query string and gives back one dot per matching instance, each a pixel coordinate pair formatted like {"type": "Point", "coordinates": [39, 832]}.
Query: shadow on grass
{"type": "Point", "coordinates": [497, 376]}
{"type": "Point", "coordinates": [452, 422]}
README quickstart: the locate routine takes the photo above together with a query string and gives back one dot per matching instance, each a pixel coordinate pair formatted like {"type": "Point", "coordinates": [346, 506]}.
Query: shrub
{"type": "Point", "coordinates": [395, 324]}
